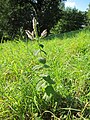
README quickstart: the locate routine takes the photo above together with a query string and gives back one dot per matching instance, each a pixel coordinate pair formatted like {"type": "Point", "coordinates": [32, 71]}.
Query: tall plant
{"type": "Point", "coordinates": [41, 58]}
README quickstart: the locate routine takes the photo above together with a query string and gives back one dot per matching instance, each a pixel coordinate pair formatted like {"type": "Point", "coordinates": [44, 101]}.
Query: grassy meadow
{"type": "Point", "coordinates": [22, 90]}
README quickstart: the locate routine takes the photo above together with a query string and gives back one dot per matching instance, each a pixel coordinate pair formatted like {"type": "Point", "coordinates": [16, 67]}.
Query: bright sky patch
{"type": "Point", "coordinates": [70, 4]}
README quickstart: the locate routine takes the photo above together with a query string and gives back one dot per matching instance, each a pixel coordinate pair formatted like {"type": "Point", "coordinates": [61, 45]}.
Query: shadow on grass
{"type": "Point", "coordinates": [67, 106]}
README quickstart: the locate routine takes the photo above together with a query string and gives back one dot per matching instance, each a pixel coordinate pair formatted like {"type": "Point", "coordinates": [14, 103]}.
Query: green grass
{"type": "Point", "coordinates": [22, 92]}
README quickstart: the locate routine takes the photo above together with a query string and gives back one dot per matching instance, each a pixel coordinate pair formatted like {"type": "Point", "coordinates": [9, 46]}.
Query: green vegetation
{"type": "Point", "coordinates": [44, 79]}
{"type": "Point", "coordinates": [16, 17]}
{"type": "Point", "coordinates": [23, 92]}
{"type": "Point", "coordinates": [88, 15]}
{"type": "Point", "coordinates": [72, 19]}
{"type": "Point", "coordinates": [18, 14]}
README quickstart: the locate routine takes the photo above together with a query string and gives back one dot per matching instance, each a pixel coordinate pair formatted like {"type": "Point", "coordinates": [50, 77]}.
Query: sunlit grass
{"type": "Point", "coordinates": [69, 60]}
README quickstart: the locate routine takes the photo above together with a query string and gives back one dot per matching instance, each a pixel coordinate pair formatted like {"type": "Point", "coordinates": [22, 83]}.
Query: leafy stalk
{"type": "Point", "coordinates": [42, 60]}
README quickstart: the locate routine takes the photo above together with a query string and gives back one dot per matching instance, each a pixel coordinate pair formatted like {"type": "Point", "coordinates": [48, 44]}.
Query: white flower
{"type": "Point", "coordinates": [44, 33]}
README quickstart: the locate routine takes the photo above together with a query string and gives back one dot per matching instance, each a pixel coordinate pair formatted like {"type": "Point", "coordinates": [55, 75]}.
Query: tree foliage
{"type": "Point", "coordinates": [71, 20]}
{"type": "Point", "coordinates": [88, 15]}
{"type": "Point", "coordinates": [4, 14]}
{"type": "Point", "coordinates": [19, 14]}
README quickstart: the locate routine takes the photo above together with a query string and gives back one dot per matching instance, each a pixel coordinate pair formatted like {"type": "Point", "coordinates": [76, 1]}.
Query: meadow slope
{"type": "Point", "coordinates": [22, 91]}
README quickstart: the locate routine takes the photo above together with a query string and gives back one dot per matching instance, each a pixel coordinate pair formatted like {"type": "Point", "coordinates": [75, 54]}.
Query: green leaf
{"type": "Point", "coordinates": [42, 60]}
{"type": "Point", "coordinates": [44, 52]}
{"type": "Point", "coordinates": [46, 66]}
{"type": "Point", "coordinates": [37, 118]}
{"type": "Point", "coordinates": [49, 90]}
{"type": "Point", "coordinates": [36, 103]}
{"type": "Point", "coordinates": [48, 79]}
{"type": "Point", "coordinates": [41, 45]}
{"type": "Point", "coordinates": [40, 84]}
{"type": "Point", "coordinates": [37, 67]}
{"type": "Point", "coordinates": [36, 52]}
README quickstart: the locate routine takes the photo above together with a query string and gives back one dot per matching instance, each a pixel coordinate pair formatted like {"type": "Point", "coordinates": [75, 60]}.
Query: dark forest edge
{"type": "Point", "coordinates": [16, 17]}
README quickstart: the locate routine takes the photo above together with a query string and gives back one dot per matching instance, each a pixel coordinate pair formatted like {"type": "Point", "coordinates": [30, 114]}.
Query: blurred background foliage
{"type": "Point", "coordinates": [16, 16]}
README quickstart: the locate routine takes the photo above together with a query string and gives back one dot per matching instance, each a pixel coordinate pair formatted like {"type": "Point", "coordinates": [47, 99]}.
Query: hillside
{"type": "Point", "coordinates": [23, 92]}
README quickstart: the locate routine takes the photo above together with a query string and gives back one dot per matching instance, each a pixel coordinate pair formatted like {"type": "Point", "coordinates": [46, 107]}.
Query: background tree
{"type": "Point", "coordinates": [21, 13]}
{"type": "Point", "coordinates": [4, 14]}
{"type": "Point", "coordinates": [71, 20]}
{"type": "Point", "coordinates": [88, 15]}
